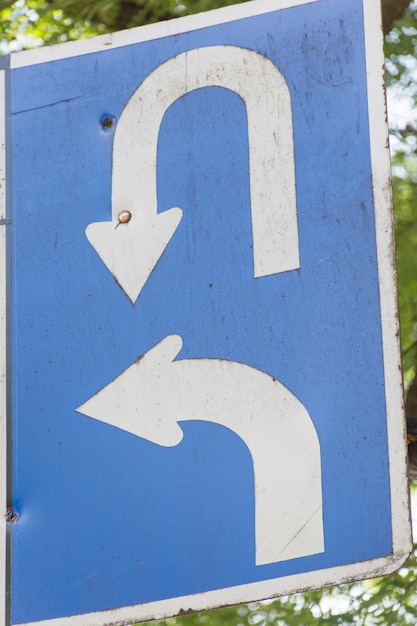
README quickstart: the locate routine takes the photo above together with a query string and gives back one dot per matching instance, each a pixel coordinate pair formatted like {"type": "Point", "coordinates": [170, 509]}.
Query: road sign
{"type": "Point", "coordinates": [201, 366]}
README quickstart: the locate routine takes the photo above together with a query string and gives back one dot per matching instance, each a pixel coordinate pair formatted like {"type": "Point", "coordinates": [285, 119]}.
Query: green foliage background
{"type": "Point", "coordinates": [391, 600]}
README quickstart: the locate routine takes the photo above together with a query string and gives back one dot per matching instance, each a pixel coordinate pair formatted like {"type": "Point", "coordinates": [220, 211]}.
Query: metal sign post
{"type": "Point", "coordinates": [200, 366]}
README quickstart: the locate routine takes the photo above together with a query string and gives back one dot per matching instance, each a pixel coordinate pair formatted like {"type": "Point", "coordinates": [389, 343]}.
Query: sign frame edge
{"type": "Point", "coordinates": [401, 535]}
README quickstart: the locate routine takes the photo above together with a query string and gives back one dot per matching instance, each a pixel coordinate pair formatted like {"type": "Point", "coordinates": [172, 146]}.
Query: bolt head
{"type": "Point", "coordinates": [124, 217]}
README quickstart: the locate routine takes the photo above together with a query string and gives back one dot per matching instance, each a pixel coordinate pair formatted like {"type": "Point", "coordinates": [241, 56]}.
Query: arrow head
{"type": "Point", "coordinates": [136, 400]}
{"type": "Point", "coordinates": [131, 251]}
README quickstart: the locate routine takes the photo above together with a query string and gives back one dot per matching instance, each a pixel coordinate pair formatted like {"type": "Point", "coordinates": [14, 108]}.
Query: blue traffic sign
{"type": "Point", "coordinates": [202, 372]}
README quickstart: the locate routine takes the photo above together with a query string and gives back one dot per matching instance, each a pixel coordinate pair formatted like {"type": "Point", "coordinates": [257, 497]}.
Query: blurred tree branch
{"type": "Point", "coordinates": [392, 10]}
{"type": "Point", "coordinates": [411, 400]}
{"type": "Point", "coordinates": [121, 14]}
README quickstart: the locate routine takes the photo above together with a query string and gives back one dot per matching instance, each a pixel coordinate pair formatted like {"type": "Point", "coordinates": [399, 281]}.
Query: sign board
{"type": "Point", "coordinates": [201, 372]}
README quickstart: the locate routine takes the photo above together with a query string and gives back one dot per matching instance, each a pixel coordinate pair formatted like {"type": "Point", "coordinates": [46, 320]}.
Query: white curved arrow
{"type": "Point", "coordinates": [131, 250]}
{"type": "Point", "coordinates": [155, 393]}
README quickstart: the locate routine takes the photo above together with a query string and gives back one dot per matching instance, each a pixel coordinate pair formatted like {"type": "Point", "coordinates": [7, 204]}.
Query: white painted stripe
{"type": "Point", "coordinates": [150, 31]}
{"type": "Point", "coordinates": [387, 277]}
{"type": "Point", "coordinates": [3, 400]}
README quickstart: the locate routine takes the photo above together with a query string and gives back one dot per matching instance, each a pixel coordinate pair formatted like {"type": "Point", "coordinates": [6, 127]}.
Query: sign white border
{"type": "Point", "coordinates": [385, 241]}
{"type": "Point", "coordinates": [390, 327]}
{"type": "Point", "coordinates": [4, 434]}
{"type": "Point", "coordinates": [150, 32]}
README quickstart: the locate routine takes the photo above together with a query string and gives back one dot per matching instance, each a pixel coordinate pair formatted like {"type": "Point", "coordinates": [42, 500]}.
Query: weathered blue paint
{"type": "Point", "coordinates": [108, 519]}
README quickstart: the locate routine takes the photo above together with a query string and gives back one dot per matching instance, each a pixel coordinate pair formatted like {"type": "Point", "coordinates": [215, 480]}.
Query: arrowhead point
{"type": "Point", "coordinates": [131, 251]}
{"type": "Point", "coordinates": [135, 401]}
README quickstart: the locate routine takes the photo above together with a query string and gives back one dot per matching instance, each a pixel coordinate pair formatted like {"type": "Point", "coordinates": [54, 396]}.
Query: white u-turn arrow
{"type": "Point", "coordinates": [155, 393]}
{"type": "Point", "coordinates": [131, 250]}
